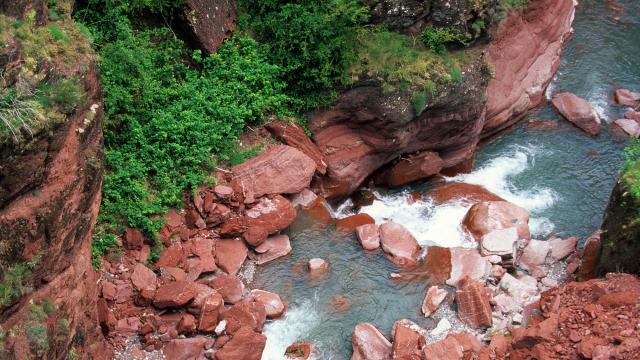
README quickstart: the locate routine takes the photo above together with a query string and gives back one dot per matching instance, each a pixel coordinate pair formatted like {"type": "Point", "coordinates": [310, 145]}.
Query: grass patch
{"type": "Point", "coordinates": [399, 59]}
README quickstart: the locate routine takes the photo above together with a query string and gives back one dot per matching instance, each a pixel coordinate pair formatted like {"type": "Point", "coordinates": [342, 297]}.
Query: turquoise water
{"type": "Point", "coordinates": [561, 175]}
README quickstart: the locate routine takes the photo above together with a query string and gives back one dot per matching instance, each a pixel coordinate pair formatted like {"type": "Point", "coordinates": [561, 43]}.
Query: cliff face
{"type": "Point", "coordinates": [621, 233]}
{"type": "Point", "coordinates": [525, 54]}
{"type": "Point", "coordinates": [50, 186]}
{"type": "Point", "coordinates": [367, 129]}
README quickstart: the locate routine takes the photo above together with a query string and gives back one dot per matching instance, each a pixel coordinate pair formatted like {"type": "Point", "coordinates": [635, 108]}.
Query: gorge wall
{"type": "Point", "coordinates": [50, 188]}
{"type": "Point", "coordinates": [367, 129]}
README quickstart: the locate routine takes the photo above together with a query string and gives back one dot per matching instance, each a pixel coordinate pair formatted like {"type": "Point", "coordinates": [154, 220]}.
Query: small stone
{"type": "Point", "coordinates": [317, 266]}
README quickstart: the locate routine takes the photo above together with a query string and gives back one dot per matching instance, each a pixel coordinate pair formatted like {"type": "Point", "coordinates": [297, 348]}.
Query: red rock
{"type": "Point", "coordinates": [273, 248]}
{"type": "Point", "coordinates": [109, 290]}
{"type": "Point", "coordinates": [447, 349]}
{"type": "Point", "coordinates": [350, 223]}
{"type": "Point", "coordinates": [432, 299]}
{"type": "Point", "coordinates": [269, 216]}
{"type": "Point", "coordinates": [590, 254]}
{"type": "Point", "coordinates": [245, 344]}
{"type": "Point", "coordinates": [484, 217]}
{"type": "Point", "coordinates": [279, 169]}
{"type": "Point", "coordinates": [273, 305]}
{"type": "Point", "coordinates": [304, 198]}
{"type": "Point", "coordinates": [124, 291]}
{"type": "Point", "coordinates": [171, 256]}
{"type": "Point", "coordinates": [208, 23]}
{"type": "Point", "coordinates": [500, 242]}
{"type": "Point", "coordinates": [340, 303]}
{"type": "Point", "coordinates": [368, 236]}
{"type": "Point", "coordinates": [230, 255]}
{"type": "Point", "coordinates": [578, 111]}
{"type": "Point", "coordinates": [193, 219]}
{"type": "Point", "coordinates": [317, 266]}
{"type": "Point", "coordinates": [300, 351]}
{"type": "Point", "coordinates": [223, 191]}
{"type": "Point", "coordinates": [468, 342]}
{"type": "Point", "coordinates": [525, 54]}
{"type": "Point", "coordinates": [398, 242]}
{"type": "Point", "coordinates": [627, 98]}
{"type": "Point", "coordinates": [209, 313]}
{"type": "Point", "coordinates": [467, 263]}
{"type": "Point", "coordinates": [244, 313]}
{"type": "Point", "coordinates": [467, 193]}
{"type": "Point", "coordinates": [521, 291]}
{"type": "Point", "coordinates": [437, 264]}
{"type": "Point", "coordinates": [369, 344]}
{"type": "Point", "coordinates": [473, 303]}
{"type": "Point", "coordinates": [547, 124]}
{"type": "Point", "coordinates": [203, 291]}
{"type": "Point", "coordinates": [407, 341]}
{"type": "Point", "coordinates": [290, 133]}
{"type": "Point", "coordinates": [176, 273]}
{"type": "Point", "coordinates": [133, 239]}
{"type": "Point", "coordinates": [633, 115]}
{"type": "Point", "coordinates": [630, 127]}
{"type": "Point", "coordinates": [175, 294]}
{"type": "Point", "coordinates": [142, 277]}
{"type": "Point", "coordinates": [535, 334]}
{"type": "Point", "coordinates": [617, 299]}
{"type": "Point", "coordinates": [560, 249]}
{"type": "Point", "coordinates": [411, 168]}
{"type": "Point", "coordinates": [185, 349]}
{"type": "Point", "coordinates": [231, 289]}
{"type": "Point", "coordinates": [187, 324]}
{"type": "Point", "coordinates": [534, 254]}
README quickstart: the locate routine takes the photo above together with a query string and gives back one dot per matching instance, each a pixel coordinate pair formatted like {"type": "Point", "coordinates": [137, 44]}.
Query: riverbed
{"type": "Point", "coordinates": [561, 175]}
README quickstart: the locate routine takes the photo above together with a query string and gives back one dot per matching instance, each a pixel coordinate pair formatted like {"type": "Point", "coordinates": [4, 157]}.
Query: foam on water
{"type": "Point", "coordinates": [295, 326]}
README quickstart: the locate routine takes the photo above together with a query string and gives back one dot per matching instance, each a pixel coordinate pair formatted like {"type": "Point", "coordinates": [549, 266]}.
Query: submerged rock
{"type": "Point", "coordinates": [353, 221]}
{"type": "Point", "coordinates": [317, 266]}
{"type": "Point", "coordinates": [578, 111]}
{"type": "Point", "coordinates": [398, 242]}
{"type": "Point", "coordinates": [467, 193]}
{"type": "Point", "coordinates": [301, 351]}
{"type": "Point", "coordinates": [369, 344]}
{"type": "Point", "coordinates": [627, 98]}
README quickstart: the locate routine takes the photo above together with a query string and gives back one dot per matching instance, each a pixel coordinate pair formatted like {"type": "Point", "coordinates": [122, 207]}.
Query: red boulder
{"type": "Point", "coordinates": [578, 111]}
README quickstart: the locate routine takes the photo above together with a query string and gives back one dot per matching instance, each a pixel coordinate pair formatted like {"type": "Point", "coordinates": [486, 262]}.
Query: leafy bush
{"type": "Point", "coordinates": [631, 169]}
{"type": "Point", "coordinates": [312, 41]}
{"type": "Point", "coordinates": [166, 124]}
{"type": "Point", "coordinates": [419, 101]}
{"type": "Point", "coordinates": [14, 284]}
{"type": "Point", "coordinates": [436, 38]}
{"type": "Point", "coordinates": [101, 244]}
{"type": "Point", "coordinates": [66, 94]}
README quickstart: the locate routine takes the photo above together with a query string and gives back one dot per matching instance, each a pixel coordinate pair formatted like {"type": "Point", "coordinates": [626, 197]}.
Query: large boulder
{"type": "Point", "coordinates": [578, 111]}
{"type": "Point", "coordinates": [245, 313]}
{"type": "Point", "coordinates": [273, 305]}
{"type": "Point", "coordinates": [209, 22]}
{"type": "Point", "coordinates": [525, 55]}
{"type": "Point", "coordinates": [279, 169]}
{"type": "Point", "coordinates": [466, 193]}
{"type": "Point", "coordinates": [273, 248]}
{"type": "Point", "coordinates": [175, 294]}
{"type": "Point", "coordinates": [432, 299]}
{"type": "Point", "coordinates": [467, 263]}
{"type": "Point", "coordinates": [399, 244]}
{"type": "Point", "coordinates": [185, 349]}
{"type": "Point", "coordinates": [268, 216]}
{"type": "Point", "coordinates": [369, 344]}
{"type": "Point", "coordinates": [487, 216]}
{"type": "Point", "coordinates": [368, 236]}
{"type": "Point", "coordinates": [629, 126]}
{"type": "Point", "coordinates": [407, 340]}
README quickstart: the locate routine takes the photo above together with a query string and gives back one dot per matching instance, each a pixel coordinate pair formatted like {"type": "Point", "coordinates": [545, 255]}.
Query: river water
{"type": "Point", "coordinates": [562, 176]}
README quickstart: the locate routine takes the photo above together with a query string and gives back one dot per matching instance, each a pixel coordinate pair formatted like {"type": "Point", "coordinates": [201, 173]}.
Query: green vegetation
{"type": "Point", "coordinates": [37, 96]}
{"type": "Point", "coordinates": [14, 284]}
{"type": "Point", "coordinates": [400, 61]}
{"type": "Point", "coordinates": [36, 330]}
{"type": "Point", "coordinates": [631, 169]}
{"type": "Point", "coordinates": [509, 5]}
{"type": "Point", "coordinates": [436, 38]}
{"type": "Point", "coordinates": [312, 41]}
{"type": "Point", "coordinates": [101, 245]}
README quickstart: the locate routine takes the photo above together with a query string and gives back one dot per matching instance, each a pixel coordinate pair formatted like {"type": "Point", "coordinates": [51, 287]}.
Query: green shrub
{"type": "Point", "coordinates": [436, 38]}
{"type": "Point", "coordinates": [455, 72]}
{"type": "Point", "coordinates": [419, 101]}
{"type": "Point", "coordinates": [631, 168]}
{"type": "Point", "coordinates": [19, 115]}
{"type": "Point", "coordinates": [14, 284]}
{"type": "Point", "coordinates": [312, 41]}
{"type": "Point", "coordinates": [65, 94]}
{"type": "Point", "coordinates": [56, 33]}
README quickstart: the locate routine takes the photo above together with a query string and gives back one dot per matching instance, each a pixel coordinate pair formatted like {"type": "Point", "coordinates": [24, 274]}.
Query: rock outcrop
{"type": "Point", "coordinates": [50, 190]}
{"type": "Point", "coordinates": [525, 54]}
{"type": "Point", "coordinates": [208, 22]}
{"type": "Point", "coordinates": [621, 231]}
